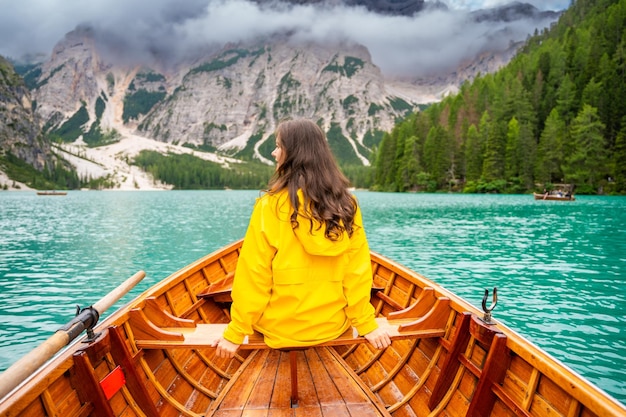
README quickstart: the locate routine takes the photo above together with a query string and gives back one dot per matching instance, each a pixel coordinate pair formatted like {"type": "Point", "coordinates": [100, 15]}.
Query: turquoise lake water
{"type": "Point", "coordinates": [560, 267]}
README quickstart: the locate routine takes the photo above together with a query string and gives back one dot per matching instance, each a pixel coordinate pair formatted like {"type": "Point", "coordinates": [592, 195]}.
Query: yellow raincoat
{"type": "Point", "coordinates": [297, 287]}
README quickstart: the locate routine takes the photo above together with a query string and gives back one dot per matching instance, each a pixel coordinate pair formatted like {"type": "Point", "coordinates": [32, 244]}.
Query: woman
{"type": "Point", "coordinates": [304, 272]}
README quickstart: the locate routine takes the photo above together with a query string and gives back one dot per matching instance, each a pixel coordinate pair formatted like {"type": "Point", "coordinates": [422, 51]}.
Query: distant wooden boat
{"type": "Point", "coordinates": [51, 193]}
{"type": "Point", "coordinates": [554, 197]}
{"type": "Point", "coordinates": [152, 358]}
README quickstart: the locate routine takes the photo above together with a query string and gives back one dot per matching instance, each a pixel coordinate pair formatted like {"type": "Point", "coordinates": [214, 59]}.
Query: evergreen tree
{"type": "Point", "coordinates": [385, 162]}
{"type": "Point", "coordinates": [439, 155]}
{"type": "Point", "coordinates": [493, 162]}
{"type": "Point", "coordinates": [473, 154]}
{"type": "Point", "coordinates": [550, 150]}
{"type": "Point", "coordinates": [513, 162]}
{"type": "Point", "coordinates": [566, 99]}
{"type": "Point", "coordinates": [612, 73]}
{"type": "Point", "coordinates": [587, 165]}
{"type": "Point", "coordinates": [592, 94]}
{"type": "Point", "coordinates": [410, 166]}
{"type": "Point", "coordinates": [527, 153]}
{"type": "Point", "coordinates": [619, 160]}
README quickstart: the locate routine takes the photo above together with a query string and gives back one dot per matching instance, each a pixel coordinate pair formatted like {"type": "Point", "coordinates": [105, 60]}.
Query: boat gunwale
{"type": "Point", "coordinates": [538, 358]}
{"type": "Point", "coordinates": [38, 381]}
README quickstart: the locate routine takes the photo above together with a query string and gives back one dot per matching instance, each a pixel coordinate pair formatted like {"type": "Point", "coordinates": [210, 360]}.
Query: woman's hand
{"type": "Point", "coordinates": [378, 338]}
{"type": "Point", "coordinates": [225, 348]}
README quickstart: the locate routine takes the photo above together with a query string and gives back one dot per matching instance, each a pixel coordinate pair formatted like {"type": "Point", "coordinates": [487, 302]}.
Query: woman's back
{"type": "Point", "coordinates": [318, 287]}
{"type": "Point", "coordinates": [304, 273]}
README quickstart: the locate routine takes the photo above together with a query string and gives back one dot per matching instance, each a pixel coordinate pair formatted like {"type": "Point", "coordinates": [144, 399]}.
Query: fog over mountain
{"type": "Point", "coordinates": [429, 41]}
{"type": "Point", "coordinates": [221, 73]}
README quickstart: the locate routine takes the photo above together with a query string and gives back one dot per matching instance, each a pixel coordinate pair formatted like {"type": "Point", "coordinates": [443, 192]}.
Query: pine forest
{"type": "Point", "coordinates": [555, 116]}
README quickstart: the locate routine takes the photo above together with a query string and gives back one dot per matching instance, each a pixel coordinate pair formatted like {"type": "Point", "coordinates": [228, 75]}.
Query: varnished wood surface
{"type": "Point", "coordinates": [204, 335]}
{"type": "Point", "coordinates": [326, 388]}
{"type": "Point", "coordinates": [467, 366]}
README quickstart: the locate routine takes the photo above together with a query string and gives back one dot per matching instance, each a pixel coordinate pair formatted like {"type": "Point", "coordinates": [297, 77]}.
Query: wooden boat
{"type": "Point", "coordinates": [51, 192]}
{"type": "Point", "coordinates": [554, 197]}
{"type": "Point", "coordinates": [447, 358]}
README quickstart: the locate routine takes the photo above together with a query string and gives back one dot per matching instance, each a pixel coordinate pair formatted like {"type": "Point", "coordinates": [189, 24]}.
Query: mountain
{"type": "Point", "coordinates": [513, 12]}
{"type": "Point", "coordinates": [103, 107]}
{"type": "Point", "coordinates": [392, 7]}
{"type": "Point", "coordinates": [239, 95]}
{"type": "Point", "coordinates": [19, 126]}
{"type": "Point", "coordinates": [222, 99]}
{"type": "Point", "coordinates": [228, 101]}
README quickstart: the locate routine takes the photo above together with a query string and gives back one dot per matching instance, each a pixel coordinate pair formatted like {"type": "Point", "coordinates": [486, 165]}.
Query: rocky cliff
{"type": "Point", "coordinates": [19, 128]}
{"type": "Point", "coordinates": [229, 100]}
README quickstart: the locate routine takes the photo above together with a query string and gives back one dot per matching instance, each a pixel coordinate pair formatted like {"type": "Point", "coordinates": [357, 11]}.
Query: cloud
{"type": "Point", "coordinates": [555, 5]}
{"type": "Point", "coordinates": [140, 30]}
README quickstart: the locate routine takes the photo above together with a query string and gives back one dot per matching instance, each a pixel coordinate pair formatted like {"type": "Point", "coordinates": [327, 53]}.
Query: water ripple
{"type": "Point", "coordinates": [560, 268]}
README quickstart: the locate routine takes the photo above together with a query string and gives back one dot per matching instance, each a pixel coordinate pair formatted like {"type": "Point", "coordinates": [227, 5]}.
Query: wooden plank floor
{"type": "Point", "coordinates": [325, 388]}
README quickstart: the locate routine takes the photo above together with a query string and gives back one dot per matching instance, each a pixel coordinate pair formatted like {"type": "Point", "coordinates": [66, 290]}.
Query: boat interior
{"type": "Point", "coordinates": [154, 358]}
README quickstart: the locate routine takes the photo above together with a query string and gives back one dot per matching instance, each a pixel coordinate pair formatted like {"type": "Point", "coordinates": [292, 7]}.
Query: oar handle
{"type": "Point", "coordinates": [29, 363]}
{"type": "Point", "coordinates": [113, 297]}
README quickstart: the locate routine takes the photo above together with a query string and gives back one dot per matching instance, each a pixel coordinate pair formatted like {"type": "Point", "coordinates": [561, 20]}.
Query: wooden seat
{"type": "Point", "coordinates": [204, 335]}
{"type": "Point", "coordinates": [220, 290]}
{"type": "Point", "coordinates": [154, 328]}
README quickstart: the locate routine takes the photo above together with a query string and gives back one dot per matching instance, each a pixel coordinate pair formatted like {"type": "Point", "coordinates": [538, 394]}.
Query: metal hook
{"type": "Point", "coordinates": [487, 315]}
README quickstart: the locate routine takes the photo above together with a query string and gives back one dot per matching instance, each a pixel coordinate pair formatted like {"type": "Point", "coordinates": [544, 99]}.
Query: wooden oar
{"type": "Point", "coordinates": [28, 364]}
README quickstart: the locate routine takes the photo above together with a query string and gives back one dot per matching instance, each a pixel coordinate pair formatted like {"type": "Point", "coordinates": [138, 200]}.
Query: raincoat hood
{"type": "Point", "coordinates": [311, 232]}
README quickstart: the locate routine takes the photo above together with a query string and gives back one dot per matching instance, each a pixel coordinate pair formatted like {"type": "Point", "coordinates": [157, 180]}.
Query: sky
{"type": "Point", "coordinates": [425, 43]}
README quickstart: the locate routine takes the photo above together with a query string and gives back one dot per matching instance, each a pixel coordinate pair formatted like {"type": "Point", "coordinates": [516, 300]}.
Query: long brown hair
{"type": "Point", "coordinates": [309, 165]}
